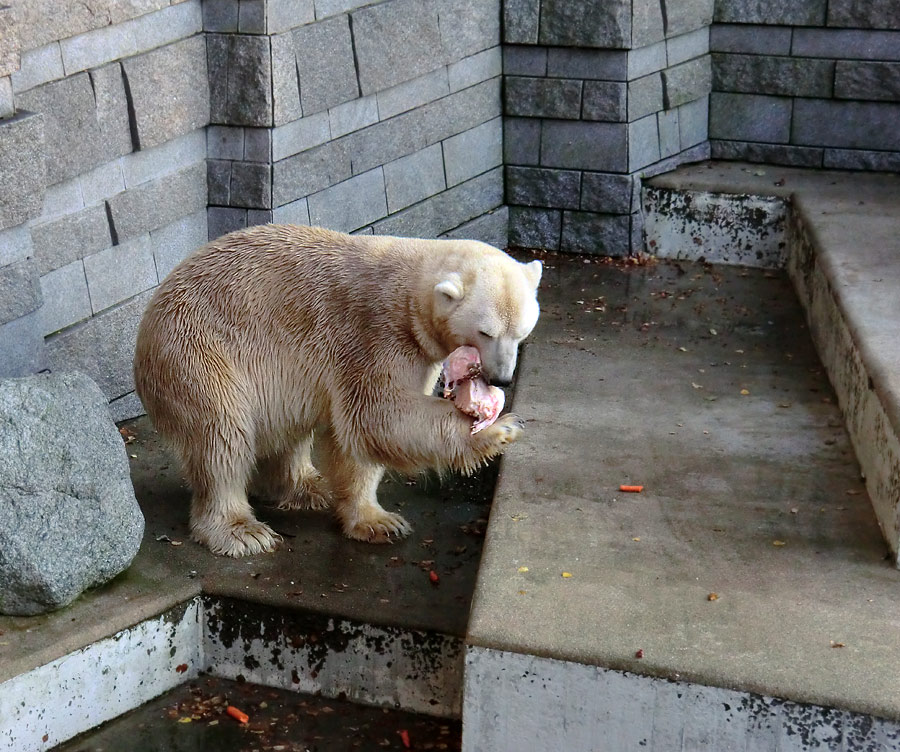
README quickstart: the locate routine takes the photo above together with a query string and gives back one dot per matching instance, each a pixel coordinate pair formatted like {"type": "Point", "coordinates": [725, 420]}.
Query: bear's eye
{"type": "Point", "coordinates": [485, 334]}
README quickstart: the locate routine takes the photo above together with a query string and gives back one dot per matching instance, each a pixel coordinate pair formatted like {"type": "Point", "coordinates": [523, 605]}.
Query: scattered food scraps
{"type": "Point", "coordinates": [794, 510]}
{"type": "Point", "coordinates": [186, 719]}
{"type": "Point", "coordinates": [631, 489]}
{"type": "Point", "coordinates": [522, 569]}
{"type": "Point", "coordinates": [712, 597]}
{"type": "Point", "coordinates": [637, 540]}
{"type": "Point", "coordinates": [404, 737]}
{"type": "Point", "coordinates": [181, 668]}
{"type": "Point", "coordinates": [239, 715]}
{"type": "Point", "coordinates": [639, 654]}
{"type": "Point", "coordinates": [745, 392]}
{"type": "Point", "coordinates": [779, 543]}
{"type": "Point", "coordinates": [837, 644]}
{"type": "Point", "coordinates": [566, 574]}
{"type": "Point", "coordinates": [683, 349]}
{"type": "Point", "coordinates": [433, 576]}
{"type": "Point", "coordinates": [853, 492]}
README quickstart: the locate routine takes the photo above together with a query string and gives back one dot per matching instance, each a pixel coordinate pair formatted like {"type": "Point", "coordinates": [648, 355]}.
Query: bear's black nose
{"type": "Point", "coordinates": [500, 382]}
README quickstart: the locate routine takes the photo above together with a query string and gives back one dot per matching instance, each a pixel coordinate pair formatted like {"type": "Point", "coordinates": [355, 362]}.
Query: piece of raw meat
{"type": "Point", "coordinates": [469, 391]}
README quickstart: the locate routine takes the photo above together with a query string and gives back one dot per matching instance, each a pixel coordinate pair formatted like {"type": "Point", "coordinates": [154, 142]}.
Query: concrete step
{"type": "Point", "coordinates": [745, 599]}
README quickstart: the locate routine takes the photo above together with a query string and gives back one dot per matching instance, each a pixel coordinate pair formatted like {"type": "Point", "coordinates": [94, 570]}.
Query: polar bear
{"type": "Point", "coordinates": [269, 336]}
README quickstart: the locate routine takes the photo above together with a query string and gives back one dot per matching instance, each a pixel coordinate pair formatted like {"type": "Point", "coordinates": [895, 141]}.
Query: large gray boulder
{"type": "Point", "coordinates": [68, 517]}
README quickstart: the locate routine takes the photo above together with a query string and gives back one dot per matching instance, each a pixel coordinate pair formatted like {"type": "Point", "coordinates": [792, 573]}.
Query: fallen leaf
{"type": "Point", "coordinates": [186, 719]}
{"type": "Point", "coordinates": [523, 569]}
{"type": "Point", "coordinates": [683, 349]}
{"type": "Point", "coordinates": [639, 654]}
{"type": "Point", "coordinates": [779, 543]}
{"type": "Point", "coordinates": [636, 539]}
{"type": "Point", "coordinates": [713, 332]}
{"type": "Point", "coordinates": [566, 574]}
{"type": "Point", "coordinates": [794, 510]}
{"type": "Point", "coordinates": [696, 385]}
{"type": "Point", "coordinates": [712, 597]}
{"type": "Point", "coordinates": [745, 392]}
{"type": "Point", "coordinates": [837, 644]}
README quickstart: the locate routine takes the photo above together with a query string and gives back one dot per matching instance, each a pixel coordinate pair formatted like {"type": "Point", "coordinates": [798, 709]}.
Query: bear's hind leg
{"type": "Point", "coordinates": [221, 517]}
{"type": "Point", "coordinates": [353, 486]}
{"type": "Point", "coordinates": [302, 485]}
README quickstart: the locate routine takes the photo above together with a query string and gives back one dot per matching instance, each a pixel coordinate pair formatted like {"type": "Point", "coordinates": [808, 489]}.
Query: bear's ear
{"type": "Point", "coordinates": [533, 272]}
{"type": "Point", "coordinates": [452, 286]}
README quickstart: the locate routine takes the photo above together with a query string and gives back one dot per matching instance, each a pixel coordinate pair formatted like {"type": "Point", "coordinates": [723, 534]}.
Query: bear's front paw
{"type": "Point", "coordinates": [380, 527]}
{"type": "Point", "coordinates": [509, 428]}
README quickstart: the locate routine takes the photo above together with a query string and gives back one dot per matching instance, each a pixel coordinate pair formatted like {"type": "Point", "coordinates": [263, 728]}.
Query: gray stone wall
{"type": "Point", "coordinates": [103, 111]}
{"type": "Point", "coordinates": [361, 117]}
{"type": "Point", "coordinates": [808, 83]}
{"type": "Point", "coordinates": [595, 97]}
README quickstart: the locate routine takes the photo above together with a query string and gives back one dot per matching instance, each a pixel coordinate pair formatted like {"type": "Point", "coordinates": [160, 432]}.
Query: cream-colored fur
{"type": "Point", "coordinates": [268, 336]}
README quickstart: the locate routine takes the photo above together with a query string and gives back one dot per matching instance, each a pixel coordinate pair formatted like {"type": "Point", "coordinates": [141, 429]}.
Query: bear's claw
{"type": "Point", "coordinates": [382, 529]}
{"type": "Point", "coordinates": [310, 493]}
{"type": "Point", "coordinates": [240, 537]}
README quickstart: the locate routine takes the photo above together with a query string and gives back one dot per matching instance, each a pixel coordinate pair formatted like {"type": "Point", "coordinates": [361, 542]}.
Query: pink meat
{"type": "Point", "coordinates": [470, 393]}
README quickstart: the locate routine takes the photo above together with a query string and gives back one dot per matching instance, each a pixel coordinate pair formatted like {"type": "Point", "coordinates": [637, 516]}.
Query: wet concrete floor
{"type": "Point", "coordinates": [193, 718]}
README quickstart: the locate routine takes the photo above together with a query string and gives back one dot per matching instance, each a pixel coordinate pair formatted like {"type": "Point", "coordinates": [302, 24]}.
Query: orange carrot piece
{"type": "Point", "coordinates": [238, 715]}
{"type": "Point", "coordinates": [404, 737]}
{"type": "Point", "coordinates": [631, 489]}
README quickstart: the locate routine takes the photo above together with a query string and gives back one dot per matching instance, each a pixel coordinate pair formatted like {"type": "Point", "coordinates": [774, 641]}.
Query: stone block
{"type": "Point", "coordinates": [7, 108]}
{"type": "Point", "coordinates": [534, 228]}
{"type": "Point", "coordinates": [687, 15]}
{"type": "Point", "coordinates": [608, 193]}
{"type": "Point", "coordinates": [173, 22]}
{"type": "Point", "coordinates": [467, 27]}
{"type": "Point", "coordinates": [282, 15]}
{"type": "Point", "coordinates": [240, 79]}
{"type": "Point", "coordinates": [875, 14]}
{"type": "Point", "coordinates": [605, 65]}
{"type": "Point", "coordinates": [126, 407]}
{"type": "Point", "coordinates": [395, 42]}
{"type": "Point", "coordinates": [669, 134]}
{"type": "Point", "coordinates": [600, 234]}
{"type": "Point", "coordinates": [294, 213]}
{"type": "Point", "coordinates": [22, 346]}
{"type": "Point", "coordinates": [72, 138]}
{"type": "Point", "coordinates": [66, 299]}
{"type": "Point", "coordinates": [176, 241]}
{"type": "Point", "coordinates": [541, 187]}
{"type": "Point", "coordinates": [687, 46]}
{"type": "Point", "coordinates": [62, 198]}
{"type": "Point", "coordinates": [100, 183]}
{"type": "Point", "coordinates": [858, 159]}
{"type": "Point", "coordinates": [310, 171]}
{"type": "Point", "coordinates": [586, 24]}
{"type": "Point", "coordinates": [474, 69]}
{"type": "Point", "coordinates": [325, 64]}
{"type": "Point", "coordinates": [784, 76]}
{"type": "Point", "coordinates": [386, 141]}
{"type": "Point", "coordinates": [252, 16]}
{"type": "Point", "coordinates": [520, 21]}
{"type": "Point", "coordinates": [411, 179]}
{"type": "Point", "coordinates": [645, 95]}
{"type": "Point", "coordinates": [750, 38]}
{"type": "Point", "coordinates": [22, 182]}
{"type": "Point", "coordinates": [38, 67]}
{"type": "Point", "coordinates": [643, 143]}
{"type": "Point", "coordinates": [9, 40]}
{"type": "Point", "coordinates": [220, 16]}
{"type": "Point", "coordinates": [693, 122]}
{"type": "Point", "coordinates": [218, 182]}
{"type": "Point", "coordinates": [604, 100]}
{"type": "Point", "coordinates": [647, 22]}
{"type": "Point", "coordinates": [112, 105]}
{"type": "Point", "coordinates": [446, 210]}
{"type": "Point", "coordinates": [326, 8]}
{"type": "Point", "coordinates": [458, 112]}
{"type": "Point", "coordinates": [584, 145]}
{"type": "Point", "coordinates": [853, 44]}
{"type": "Point", "coordinates": [251, 185]}
{"type": "Point", "coordinates": [171, 156]}
{"type": "Point", "coordinates": [69, 520]}
{"type": "Point", "coordinates": [473, 151]}
{"type": "Point", "coordinates": [521, 141]}
{"type": "Point", "coordinates": [646, 60]}
{"type": "Point", "coordinates": [285, 83]}
{"type": "Point", "coordinates": [772, 12]}
{"type": "Point", "coordinates": [224, 142]}
{"type": "Point", "coordinates": [867, 80]}
{"type": "Point", "coordinates": [157, 203]}
{"type": "Point", "coordinates": [850, 125]}
{"type": "Point", "coordinates": [259, 217]}
{"type": "Point", "coordinates": [222, 220]}
{"type": "Point", "coordinates": [413, 93]}
{"type": "Point", "coordinates": [749, 117]}
{"type": "Point", "coordinates": [491, 227]}
{"type": "Point", "coordinates": [687, 82]}
{"type": "Point", "coordinates": [15, 244]}
{"type": "Point", "coordinates": [300, 135]}
{"type": "Point", "coordinates": [524, 61]}
{"type": "Point", "coordinates": [20, 290]}
{"type": "Point", "coordinates": [61, 241]}
{"type": "Point", "coordinates": [258, 145]}
{"type": "Point", "coordinates": [350, 205]}
{"type": "Point", "coordinates": [542, 97]}
{"type": "Point", "coordinates": [120, 272]}
{"type": "Point", "coordinates": [793, 156]}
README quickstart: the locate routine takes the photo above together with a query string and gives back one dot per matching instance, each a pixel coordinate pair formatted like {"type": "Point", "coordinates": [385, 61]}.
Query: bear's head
{"type": "Point", "coordinates": [491, 304]}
